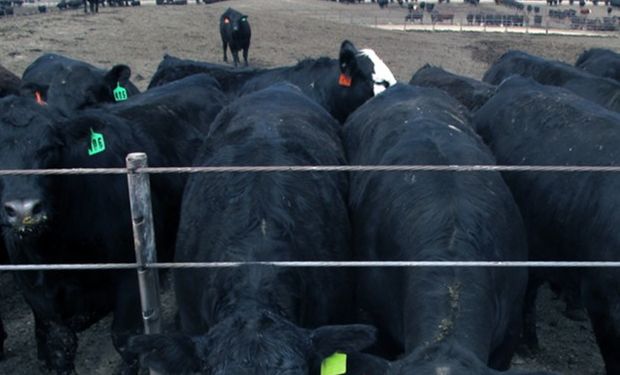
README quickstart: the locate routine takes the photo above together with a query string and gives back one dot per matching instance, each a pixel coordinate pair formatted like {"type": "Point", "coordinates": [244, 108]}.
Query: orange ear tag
{"type": "Point", "coordinates": [38, 98]}
{"type": "Point", "coordinates": [344, 80]}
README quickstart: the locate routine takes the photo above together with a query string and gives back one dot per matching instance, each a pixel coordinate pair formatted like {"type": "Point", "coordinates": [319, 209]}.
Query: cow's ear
{"type": "Point", "coordinates": [118, 74]}
{"type": "Point", "coordinates": [327, 340]}
{"type": "Point", "coordinates": [348, 61]}
{"type": "Point", "coordinates": [167, 353]}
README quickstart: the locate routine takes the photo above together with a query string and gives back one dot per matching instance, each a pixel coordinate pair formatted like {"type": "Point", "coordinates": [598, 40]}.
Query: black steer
{"type": "Point", "coordinates": [236, 34]}
{"type": "Point", "coordinates": [600, 62]}
{"type": "Point", "coordinates": [468, 91]}
{"type": "Point", "coordinates": [569, 216]}
{"type": "Point", "coordinates": [603, 91]}
{"type": "Point", "coordinates": [262, 320]}
{"type": "Point", "coordinates": [340, 86]}
{"type": "Point", "coordinates": [70, 84]}
{"type": "Point", "coordinates": [84, 219]}
{"type": "Point", "coordinates": [445, 321]}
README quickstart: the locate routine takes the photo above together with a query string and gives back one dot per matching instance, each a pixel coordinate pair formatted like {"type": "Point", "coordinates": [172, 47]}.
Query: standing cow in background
{"type": "Point", "coordinates": [236, 33]}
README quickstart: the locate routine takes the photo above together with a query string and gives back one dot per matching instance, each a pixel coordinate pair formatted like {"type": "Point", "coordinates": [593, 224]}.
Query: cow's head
{"type": "Point", "coordinates": [361, 75]}
{"type": "Point", "coordinates": [234, 21]}
{"type": "Point", "coordinates": [84, 87]}
{"type": "Point", "coordinates": [263, 344]}
{"type": "Point", "coordinates": [28, 141]}
{"type": "Point", "coordinates": [33, 136]}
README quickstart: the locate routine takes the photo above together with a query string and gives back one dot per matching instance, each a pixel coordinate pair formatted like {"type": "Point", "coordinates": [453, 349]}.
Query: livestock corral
{"type": "Point", "coordinates": [129, 43]}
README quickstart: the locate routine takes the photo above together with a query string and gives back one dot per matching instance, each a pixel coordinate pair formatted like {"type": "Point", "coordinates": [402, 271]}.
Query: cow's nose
{"type": "Point", "coordinates": [24, 211]}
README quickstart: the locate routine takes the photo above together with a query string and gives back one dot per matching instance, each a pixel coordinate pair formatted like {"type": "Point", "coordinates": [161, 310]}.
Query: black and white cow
{"type": "Point", "coordinates": [569, 216]}
{"type": "Point", "coordinates": [340, 86]}
{"type": "Point", "coordinates": [70, 84]}
{"type": "Point", "coordinates": [600, 62]}
{"type": "Point", "coordinates": [84, 219]}
{"type": "Point", "coordinates": [256, 319]}
{"type": "Point", "coordinates": [440, 320]}
{"type": "Point", "coordinates": [604, 91]}
{"type": "Point", "coordinates": [236, 33]}
{"type": "Point", "coordinates": [468, 91]}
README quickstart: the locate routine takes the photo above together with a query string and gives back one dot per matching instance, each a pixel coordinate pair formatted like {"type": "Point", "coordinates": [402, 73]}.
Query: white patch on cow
{"type": "Point", "coordinates": [263, 227]}
{"type": "Point", "coordinates": [455, 128]}
{"type": "Point", "coordinates": [442, 371]}
{"type": "Point", "coordinates": [381, 73]}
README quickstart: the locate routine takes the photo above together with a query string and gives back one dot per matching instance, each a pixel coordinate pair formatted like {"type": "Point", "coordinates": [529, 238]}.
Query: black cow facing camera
{"type": "Point", "coordinates": [236, 33]}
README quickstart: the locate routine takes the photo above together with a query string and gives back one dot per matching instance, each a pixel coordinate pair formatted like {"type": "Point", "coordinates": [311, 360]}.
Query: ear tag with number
{"type": "Point", "coordinates": [335, 364]}
{"type": "Point", "coordinates": [97, 143]}
{"type": "Point", "coordinates": [120, 94]}
{"type": "Point", "coordinates": [344, 80]}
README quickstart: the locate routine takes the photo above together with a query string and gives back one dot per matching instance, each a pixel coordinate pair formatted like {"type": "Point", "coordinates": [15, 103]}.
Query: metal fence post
{"type": "Point", "coordinates": [144, 242]}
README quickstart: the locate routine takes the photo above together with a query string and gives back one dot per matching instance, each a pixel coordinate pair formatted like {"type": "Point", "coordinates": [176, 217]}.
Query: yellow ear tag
{"type": "Point", "coordinates": [335, 364]}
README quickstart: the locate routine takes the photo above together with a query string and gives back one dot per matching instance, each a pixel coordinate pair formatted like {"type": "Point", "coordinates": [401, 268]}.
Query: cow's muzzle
{"type": "Point", "coordinates": [24, 214]}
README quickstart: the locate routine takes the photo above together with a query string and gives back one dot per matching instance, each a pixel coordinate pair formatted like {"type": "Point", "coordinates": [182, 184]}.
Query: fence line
{"type": "Point", "coordinates": [308, 264]}
{"type": "Point", "coordinates": [314, 168]}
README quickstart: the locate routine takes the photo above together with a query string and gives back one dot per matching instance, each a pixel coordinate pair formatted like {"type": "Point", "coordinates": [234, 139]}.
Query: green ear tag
{"type": "Point", "coordinates": [335, 364]}
{"type": "Point", "coordinates": [120, 93]}
{"type": "Point", "coordinates": [97, 144]}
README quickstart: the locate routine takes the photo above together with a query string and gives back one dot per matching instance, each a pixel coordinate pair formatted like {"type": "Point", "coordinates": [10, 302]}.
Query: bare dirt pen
{"type": "Point", "coordinates": [284, 31]}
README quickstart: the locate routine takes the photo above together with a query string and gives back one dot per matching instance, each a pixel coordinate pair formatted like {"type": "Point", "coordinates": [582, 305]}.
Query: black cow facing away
{"type": "Point", "coordinates": [569, 216]}
{"type": "Point", "coordinates": [70, 84]}
{"type": "Point", "coordinates": [262, 320]}
{"type": "Point", "coordinates": [604, 91]}
{"type": "Point", "coordinates": [236, 34]}
{"type": "Point", "coordinates": [470, 92]}
{"type": "Point", "coordinates": [600, 62]}
{"type": "Point", "coordinates": [85, 219]}
{"type": "Point", "coordinates": [437, 320]}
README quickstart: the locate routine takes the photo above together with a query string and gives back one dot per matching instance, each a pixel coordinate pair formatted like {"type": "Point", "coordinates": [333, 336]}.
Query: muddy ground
{"type": "Point", "coordinates": [284, 31]}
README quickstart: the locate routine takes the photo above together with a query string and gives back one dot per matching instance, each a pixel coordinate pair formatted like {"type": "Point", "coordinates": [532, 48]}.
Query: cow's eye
{"type": "Point", "coordinates": [244, 19]}
{"type": "Point", "coordinates": [226, 20]}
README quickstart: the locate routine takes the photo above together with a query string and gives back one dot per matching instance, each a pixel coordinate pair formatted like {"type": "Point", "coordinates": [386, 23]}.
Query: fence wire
{"type": "Point", "coordinates": [310, 168]}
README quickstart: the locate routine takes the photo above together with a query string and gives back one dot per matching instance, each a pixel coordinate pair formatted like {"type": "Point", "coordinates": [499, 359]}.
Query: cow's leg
{"type": "Point", "coordinates": [530, 337]}
{"type": "Point", "coordinates": [56, 345]}
{"type": "Point", "coordinates": [225, 47]}
{"type": "Point", "coordinates": [2, 338]}
{"type": "Point", "coordinates": [245, 56]}
{"type": "Point", "coordinates": [607, 336]}
{"type": "Point", "coordinates": [127, 319]}
{"type": "Point", "coordinates": [501, 357]}
{"type": "Point", "coordinates": [85, 6]}
{"type": "Point", "coordinates": [235, 54]}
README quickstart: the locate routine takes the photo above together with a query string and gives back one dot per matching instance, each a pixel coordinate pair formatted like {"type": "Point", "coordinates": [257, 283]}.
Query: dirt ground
{"type": "Point", "coordinates": [284, 31]}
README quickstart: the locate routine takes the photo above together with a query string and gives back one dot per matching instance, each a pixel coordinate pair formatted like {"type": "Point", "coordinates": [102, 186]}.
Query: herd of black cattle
{"type": "Point", "coordinates": [65, 113]}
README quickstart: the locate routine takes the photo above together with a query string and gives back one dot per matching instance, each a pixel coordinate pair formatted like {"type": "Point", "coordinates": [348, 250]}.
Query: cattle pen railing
{"type": "Point", "coordinates": [146, 263]}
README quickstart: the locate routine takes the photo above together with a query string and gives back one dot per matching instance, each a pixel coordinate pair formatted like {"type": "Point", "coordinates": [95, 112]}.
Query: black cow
{"type": "Point", "coordinates": [70, 84]}
{"type": "Point", "coordinates": [195, 100]}
{"type": "Point", "coordinates": [340, 86]}
{"type": "Point", "coordinates": [468, 91]}
{"type": "Point", "coordinates": [600, 62]}
{"type": "Point", "coordinates": [83, 219]}
{"type": "Point", "coordinates": [603, 91]}
{"type": "Point", "coordinates": [236, 34]}
{"type": "Point", "coordinates": [262, 319]}
{"type": "Point", "coordinates": [569, 216]}
{"type": "Point", "coordinates": [9, 82]}
{"type": "Point", "coordinates": [436, 320]}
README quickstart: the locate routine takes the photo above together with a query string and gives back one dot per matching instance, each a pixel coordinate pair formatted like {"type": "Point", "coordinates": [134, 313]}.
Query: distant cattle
{"type": "Point", "coordinates": [600, 62]}
{"type": "Point", "coordinates": [603, 91]}
{"type": "Point", "coordinates": [70, 84]}
{"type": "Point", "coordinates": [438, 320]}
{"type": "Point", "coordinates": [86, 219]}
{"type": "Point", "coordinates": [569, 216]}
{"type": "Point", "coordinates": [340, 85]}
{"type": "Point", "coordinates": [9, 82]}
{"type": "Point", "coordinates": [236, 33]}
{"type": "Point", "coordinates": [254, 319]}
{"type": "Point", "coordinates": [470, 92]}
